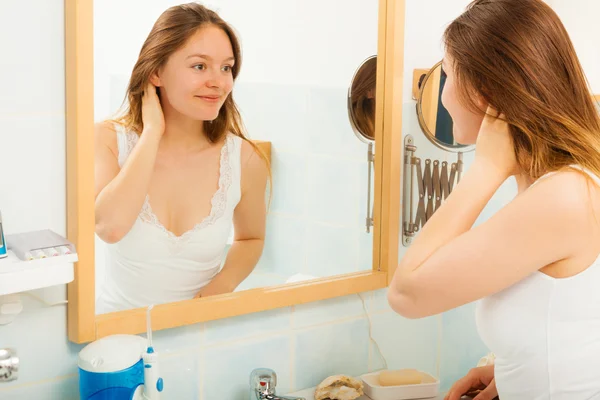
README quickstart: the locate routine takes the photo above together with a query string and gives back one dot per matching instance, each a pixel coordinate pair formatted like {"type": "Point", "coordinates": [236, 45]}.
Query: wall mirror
{"type": "Point", "coordinates": [293, 109]}
{"type": "Point", "coordinates": [427, 183]}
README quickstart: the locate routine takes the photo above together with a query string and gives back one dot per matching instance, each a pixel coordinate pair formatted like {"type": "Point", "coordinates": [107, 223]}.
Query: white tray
{"type": "Point", "coordinates": [17, 275]}
{"type": "Point", "coordinates": [427, 390]}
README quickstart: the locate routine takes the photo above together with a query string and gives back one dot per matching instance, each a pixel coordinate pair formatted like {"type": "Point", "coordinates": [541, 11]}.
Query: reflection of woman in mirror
{"type": "Point", "coordinates": [443, 121]}
{"type": "Point", "coordinates": [516, 88]}
{"type": "Point", "coordinates": [175, 170]}
{"type": "Point", "coordinates": [362, 97]}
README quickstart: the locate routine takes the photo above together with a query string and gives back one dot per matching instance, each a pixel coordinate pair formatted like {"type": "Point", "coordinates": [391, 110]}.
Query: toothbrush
{"type": "Point", "coordinates": [153, 383]}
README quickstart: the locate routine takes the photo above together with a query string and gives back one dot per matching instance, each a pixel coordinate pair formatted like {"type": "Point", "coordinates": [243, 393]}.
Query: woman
{"type": "Point", "coordinates": [175, 170]}
{"type": "Point", "coordinates": [516, 88]}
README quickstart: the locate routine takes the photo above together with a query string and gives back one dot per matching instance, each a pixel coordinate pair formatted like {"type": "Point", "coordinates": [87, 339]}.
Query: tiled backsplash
{"type": "Point", "coordinates": [304, 344]}
{"type": "Point", "coordinates": [316, 224]}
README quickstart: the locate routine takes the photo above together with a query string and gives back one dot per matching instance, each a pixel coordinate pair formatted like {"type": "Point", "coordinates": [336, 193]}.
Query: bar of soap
{"type": "Point", "coordinates": [400, 377]}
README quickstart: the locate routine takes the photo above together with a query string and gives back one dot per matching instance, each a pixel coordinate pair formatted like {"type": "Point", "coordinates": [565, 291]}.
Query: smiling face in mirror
{"type": "Point", "coordinates": [182, 209]}
{"type": "Point", "coordinates": [196, 79]}
{"type": "Point", "coordinates": [466, 124]}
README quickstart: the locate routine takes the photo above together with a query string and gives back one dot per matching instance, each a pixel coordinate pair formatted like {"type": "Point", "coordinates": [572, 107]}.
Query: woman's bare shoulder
{"type": "Point", "coordinates": [105, 134]}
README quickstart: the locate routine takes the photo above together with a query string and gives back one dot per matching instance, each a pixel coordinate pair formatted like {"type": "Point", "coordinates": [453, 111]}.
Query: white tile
{"type": "Point", "coordinates": [378, 301]}
{"type": "Point", "coordinates": [340, 348]}
{"type": "Point", "coordinates": [285, 245]}
{"type": "Point", "coordinates": [180, 373]}
{"type": "Point", "coordinates": [376, 357]}
{"type": "Point", "coordinates": [63, 388]}
{"type": "Point", "coordinates": [407, 343]}
{"type": "Point", "coordinates": [504, 195]}
{"type": "Point", "coordinates": [249, 325]}
{"type": "Point", "coordinates": [334, 191]}
{"type": "Point", "coordinates": [33, 63]}
{"type": "Point", "coordinates": [331, 250]}
{"type": "Point", "coordinates": [289, 183]}
{"type": "Point", "coordinates": [461, 346]}
{"type": "Point", "coordinates": [56, 357]}
{"type": "Point", "coordinates": [32, 157]}
{"type": "Point", "coordinates": [365, 257]}
{"type": "Point", "coordinates": [330, 132]}
{"type": "Point", "coordinates": [175, 340]}
{"type": "Point", "coordinates": [245, 96]}
{"type": "Point", "coordinates": [277, 113]}
{"type": "Point", "coordinates": [317, 313]}
{"type": "Point", "coordinates": [226, 369]}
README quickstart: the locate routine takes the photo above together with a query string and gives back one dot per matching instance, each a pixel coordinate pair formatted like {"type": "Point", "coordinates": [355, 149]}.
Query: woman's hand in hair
{"type": "Point", "coordinates": [494, 147]}
{"type": "Point", "coordinates": [152, 114]}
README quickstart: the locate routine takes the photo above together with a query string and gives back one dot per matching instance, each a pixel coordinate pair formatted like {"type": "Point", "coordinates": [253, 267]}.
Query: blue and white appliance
{"type": "Point", "coordinates": [120, 367]}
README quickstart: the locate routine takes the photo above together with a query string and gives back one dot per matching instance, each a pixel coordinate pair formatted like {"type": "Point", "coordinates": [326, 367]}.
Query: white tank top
{"type": "Point", "coordinates": [545, 333]}
{"type": "Point", "coordinates": [151, 265]}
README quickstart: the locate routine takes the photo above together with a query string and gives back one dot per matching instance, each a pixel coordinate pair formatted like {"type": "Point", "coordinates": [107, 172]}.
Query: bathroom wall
{"type": "Point", "coordinates": [304, 344]}
{"type": "Point", "coordinates": [580, 17]}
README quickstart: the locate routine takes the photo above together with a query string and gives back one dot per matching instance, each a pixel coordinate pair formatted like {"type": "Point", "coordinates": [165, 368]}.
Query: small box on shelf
{"type": "Point", "coordinates": [39, 244]}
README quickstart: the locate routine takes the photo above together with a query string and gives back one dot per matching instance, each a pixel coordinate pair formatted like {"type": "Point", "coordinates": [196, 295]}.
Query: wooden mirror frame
{"type": "Point", "coordinates": [85, 326]}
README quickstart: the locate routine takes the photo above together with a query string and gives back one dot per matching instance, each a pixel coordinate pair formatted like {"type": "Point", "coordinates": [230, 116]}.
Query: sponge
{"type": "Point", "coordinates": [400, 377]}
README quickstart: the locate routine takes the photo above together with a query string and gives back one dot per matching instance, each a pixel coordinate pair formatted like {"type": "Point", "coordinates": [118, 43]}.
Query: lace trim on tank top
{"type": "Point", "coordinates": [218, 201]}
{"type": "Point", "coordinates": [132, 139]}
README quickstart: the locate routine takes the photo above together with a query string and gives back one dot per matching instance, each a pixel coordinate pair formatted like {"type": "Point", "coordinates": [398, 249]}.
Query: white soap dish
{"type": "Point", "coordinates": [430, 388]}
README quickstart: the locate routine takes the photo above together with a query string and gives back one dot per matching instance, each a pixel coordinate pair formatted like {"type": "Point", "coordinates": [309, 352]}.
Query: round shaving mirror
{"type": "Point", "coordinates": [434, 119]}
{"type": "Point", "coordinates": [361, 100]}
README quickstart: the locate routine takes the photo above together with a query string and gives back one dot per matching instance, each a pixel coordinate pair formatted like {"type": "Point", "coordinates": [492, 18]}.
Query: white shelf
{"type": "Point", "coordinates": [18, 276]}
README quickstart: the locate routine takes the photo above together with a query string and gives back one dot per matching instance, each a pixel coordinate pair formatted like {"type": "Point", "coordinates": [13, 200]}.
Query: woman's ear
{"type": "Point", "coordinates": [155, 79]}
{"type": "Point", "coordinates": [480, 101]}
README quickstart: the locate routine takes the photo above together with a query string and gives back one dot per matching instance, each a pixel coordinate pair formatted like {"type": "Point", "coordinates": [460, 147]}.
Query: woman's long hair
{"type": "Point", "coordinates": [516, 55]}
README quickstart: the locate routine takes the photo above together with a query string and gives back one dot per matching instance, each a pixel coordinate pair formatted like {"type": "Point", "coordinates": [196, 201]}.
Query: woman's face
{"type": "Point", "coordinates": [198, 77]}
{"type": "Point", "coordinates": [466, 124]}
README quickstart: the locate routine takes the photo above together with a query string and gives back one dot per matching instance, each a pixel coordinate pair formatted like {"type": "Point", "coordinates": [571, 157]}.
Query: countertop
{"type": "Point", "coordinates": [308, 395]}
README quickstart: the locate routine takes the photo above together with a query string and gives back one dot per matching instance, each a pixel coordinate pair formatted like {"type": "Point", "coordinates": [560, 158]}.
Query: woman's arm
{"type": "Point", "coordinates": [450, 264]}
{"type": "Point", "coordinates": [120, 192]}
{"type": "Point", "coordinates": [249, 222]}
{"type": "Point", "coordinates": [546, 224]}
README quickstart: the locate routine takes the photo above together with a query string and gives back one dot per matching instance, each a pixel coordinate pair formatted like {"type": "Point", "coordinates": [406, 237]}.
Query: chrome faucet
{"type": "Point", "coordinates": [262, 386]}
{"type": "Point", "coordinates": [9, 365]}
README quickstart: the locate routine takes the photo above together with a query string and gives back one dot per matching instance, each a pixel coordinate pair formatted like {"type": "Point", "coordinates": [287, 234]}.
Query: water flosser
{"type": "Point", "coordinates": [153, 383]}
